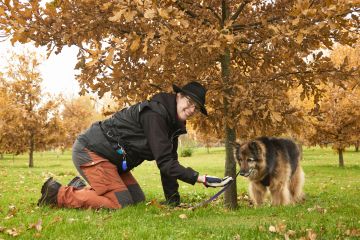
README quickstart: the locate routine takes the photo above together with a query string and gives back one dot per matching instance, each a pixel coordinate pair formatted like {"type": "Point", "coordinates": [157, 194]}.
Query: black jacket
{"type": "Point", "coordinates": [148, 131]}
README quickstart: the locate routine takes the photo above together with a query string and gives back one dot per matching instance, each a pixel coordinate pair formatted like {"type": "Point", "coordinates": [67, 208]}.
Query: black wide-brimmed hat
{"type": "Point", "coordinates": [196, 92]}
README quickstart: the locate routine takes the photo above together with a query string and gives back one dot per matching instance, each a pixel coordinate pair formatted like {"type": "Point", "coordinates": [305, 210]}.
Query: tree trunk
{"type": "Point", "coordinates": [341, 157]}
{"type": "Point", "coordinates": [230, 196]}
{"type": "Point", "coordinates": [1, 156]}
{"type": "Point", "coordinates": [357, 146]}
{"type": "Point", "coordinates": [31, 150]}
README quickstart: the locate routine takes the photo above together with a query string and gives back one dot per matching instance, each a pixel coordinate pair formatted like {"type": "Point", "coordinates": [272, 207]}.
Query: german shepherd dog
{"type": "Point", "coordinates": [272, 164]}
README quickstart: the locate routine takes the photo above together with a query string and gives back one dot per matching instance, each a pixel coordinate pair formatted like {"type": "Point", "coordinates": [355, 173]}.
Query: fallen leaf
{"type": "Point", "coordinates": [56, 219]}
{"type": "Point", "coordinates": [154, 203]}
{"type": "Point", "coordinates": [318, 209]}
{"type": "Point", "coordinates": [12, 232]}
{"type": "Point", "coordinates": [237, 237]}
{"type": "Point", "coordinates": [272, 229]}
{"type": "Point", "coordinates": [12, 211]}
{"type": "Point", "coordinates": [353, 232]}
{"type": "Point", "coordinates": [281, 227]}
{"type": "Point", "coordinates": [71, 220]}
{"type": "Point", "coordinates": [37, 226]}
{"type": "Point", "coordinates": [291, 233]}
{"type": "Point", "coordinates": [311, 234]}
{"type": "Point", "coordinates": [183, 216]}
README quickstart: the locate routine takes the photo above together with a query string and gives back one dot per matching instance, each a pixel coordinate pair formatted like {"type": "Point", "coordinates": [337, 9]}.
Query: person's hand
{"type": "Point", "coordinates": [212, 181]}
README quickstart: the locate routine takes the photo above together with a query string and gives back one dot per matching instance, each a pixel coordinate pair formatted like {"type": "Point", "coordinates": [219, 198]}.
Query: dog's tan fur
{"type": "Point", "coordinates": [272, 164]}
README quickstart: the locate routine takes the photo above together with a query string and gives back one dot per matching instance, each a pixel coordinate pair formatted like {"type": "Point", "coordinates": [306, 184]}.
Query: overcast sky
{"type": "Point", "coordinates": [57, 71]}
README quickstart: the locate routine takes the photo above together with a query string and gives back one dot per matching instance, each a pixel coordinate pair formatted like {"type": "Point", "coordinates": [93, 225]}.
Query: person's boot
{"type": "Point", "coordinates": [77, 183]}
{"type": "Point", "coordinates": [49, 192]}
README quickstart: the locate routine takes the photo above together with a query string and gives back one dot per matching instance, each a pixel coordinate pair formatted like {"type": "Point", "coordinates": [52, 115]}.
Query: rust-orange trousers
{"type": "Point", "coordinates": [108, 188]}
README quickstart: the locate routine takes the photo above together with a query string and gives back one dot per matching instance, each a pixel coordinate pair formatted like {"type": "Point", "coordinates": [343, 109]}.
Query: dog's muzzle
{"type": "Point", "coordinates": [248, 173]}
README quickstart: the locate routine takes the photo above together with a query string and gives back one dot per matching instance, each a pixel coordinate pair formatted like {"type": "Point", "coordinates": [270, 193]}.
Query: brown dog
{"type": "Point", "coordinates": [274, 164]}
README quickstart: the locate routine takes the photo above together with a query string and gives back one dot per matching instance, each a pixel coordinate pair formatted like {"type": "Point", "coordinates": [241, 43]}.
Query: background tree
{"type": "Point", "coordinates": [9, 113]}
{"type": "Point", "coordinates": [352, 56]}
{"type": "Point", "coordinates": [10, 133]}
{"type": "Point", "coordinates": [240, 50]}
{"type": "Point", "coordinates": [338, 122]}
{"type": "Point", "coordinates": [29, 118]}
{"type": "Point", "coordinates": [78, 114]}
{"type": "Point", "coordinates": [208, 138]}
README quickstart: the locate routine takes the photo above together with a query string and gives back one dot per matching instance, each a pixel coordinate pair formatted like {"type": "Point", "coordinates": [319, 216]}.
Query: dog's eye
{"type": "Point", "coordinates": [250, 160]}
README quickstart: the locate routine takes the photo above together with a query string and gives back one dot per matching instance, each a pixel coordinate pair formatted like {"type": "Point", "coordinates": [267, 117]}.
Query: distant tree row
{"type": "Point", "coordinates": [33, 121]}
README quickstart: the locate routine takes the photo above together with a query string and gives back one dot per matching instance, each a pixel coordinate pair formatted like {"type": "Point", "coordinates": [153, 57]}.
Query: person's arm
{"type": "Point", "coordinates": [171, 189]}
{"type": "Point", "coordinates": [157, 133]}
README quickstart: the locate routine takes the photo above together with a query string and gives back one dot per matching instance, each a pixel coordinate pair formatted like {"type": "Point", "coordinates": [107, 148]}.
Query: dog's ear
{"type": "Point", "coordinates": [254, 148]}
{"type": "Point", "coordinates": [235, 144]}
{"type": "Point", "coordinates": [236, 149]}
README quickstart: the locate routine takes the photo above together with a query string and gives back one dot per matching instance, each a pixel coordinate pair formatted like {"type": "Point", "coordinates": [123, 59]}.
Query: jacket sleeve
{"type": "Point", "coordinates": [171, 189]}
{"type": "Point", "coordinates": [164, 150]}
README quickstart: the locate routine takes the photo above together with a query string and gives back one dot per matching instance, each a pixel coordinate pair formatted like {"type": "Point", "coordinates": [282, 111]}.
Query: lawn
{"type": "Point", "coordinates": [331, 209]}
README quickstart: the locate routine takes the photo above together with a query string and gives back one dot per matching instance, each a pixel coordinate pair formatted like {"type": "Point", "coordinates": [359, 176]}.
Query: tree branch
{"type": "Point", "coordinates": [255, 25]}
{"type": "Point", "coordinates": [190, 13]}
{"type": "Point", "coordinates": [239, 10]}
{"type": "Point", "coordinates": [215, 14]}
{"type": "Point", "coordinates": [156, 86]}
{"type": "Point", "coordinates": [223, 13]}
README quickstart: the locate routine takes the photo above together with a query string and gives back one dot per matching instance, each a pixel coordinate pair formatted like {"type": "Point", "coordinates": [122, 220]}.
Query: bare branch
{"type": "Point", "coordinates": [239, 10]}
{"type": "Point", "coordinates": [193, 15]}
{"type": "Point", "coordinates": [255, 25]}
{"type": "Point", "coordinates": [190, 13]}
{"type": "Point", "coordinates": [156, 86]}
{"type": "Point", "coordinates": [223, 12]}
{"type": "Point", "coordinates": [215, 14]}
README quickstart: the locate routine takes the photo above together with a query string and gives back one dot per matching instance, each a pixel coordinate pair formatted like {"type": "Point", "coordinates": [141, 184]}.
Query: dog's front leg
{"type": "Point", "coordinates": [257, 193]}
{"type": "Point", "coordinates": [280, 194]}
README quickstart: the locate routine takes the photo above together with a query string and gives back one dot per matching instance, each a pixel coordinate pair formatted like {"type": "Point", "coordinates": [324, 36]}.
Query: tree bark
{"type": "Point", "coordinates": [357, 146]}
{"type": "Point", "coordinates": [341, 157]}
{"type": "Point", "coordinates": [230, 196]}
{"type": "Point", "coordinates": [31, 150]}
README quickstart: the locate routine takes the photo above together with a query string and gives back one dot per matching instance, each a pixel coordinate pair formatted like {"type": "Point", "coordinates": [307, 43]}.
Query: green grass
{"type": "Point", "coordinates": [331, 209]}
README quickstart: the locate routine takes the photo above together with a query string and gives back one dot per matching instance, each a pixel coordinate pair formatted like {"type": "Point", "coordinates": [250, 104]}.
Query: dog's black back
{"type": "Point", "coordinates": [286, 146]}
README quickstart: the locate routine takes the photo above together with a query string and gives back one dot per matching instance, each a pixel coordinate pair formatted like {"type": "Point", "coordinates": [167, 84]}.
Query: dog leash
{"type": "Point", "coordinates": [203, 203]}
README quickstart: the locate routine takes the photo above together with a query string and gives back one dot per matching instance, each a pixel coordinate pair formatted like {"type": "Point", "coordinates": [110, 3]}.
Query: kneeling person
{"type": "Point", "coordinates": [109, 149]}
